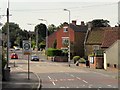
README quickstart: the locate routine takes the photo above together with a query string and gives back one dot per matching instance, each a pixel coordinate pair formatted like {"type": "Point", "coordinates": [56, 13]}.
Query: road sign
{"type": "Point", "coordinates": [27, 47]}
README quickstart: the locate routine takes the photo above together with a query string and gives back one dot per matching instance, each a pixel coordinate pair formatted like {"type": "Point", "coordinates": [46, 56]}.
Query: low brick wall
{"type": "Point", "coordinates": [60, 59]}
{"type": "Point", "coordinates": [82, 64]}
{"type": "Point", "coordinates": [97, 63]}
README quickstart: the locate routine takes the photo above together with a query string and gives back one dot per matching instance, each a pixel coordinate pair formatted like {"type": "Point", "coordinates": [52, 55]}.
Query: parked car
{"type": "Point", "coordinates": [14, 56]}
{"type": "Point", "coordinates": [34, 58]}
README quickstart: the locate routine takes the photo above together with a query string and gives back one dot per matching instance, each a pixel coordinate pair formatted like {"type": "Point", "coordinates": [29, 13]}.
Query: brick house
{"type": "Point", "coordinates": [96, 39]}
{"type": "Point", "coordinates": [77, 36]}
{"type": "Point", "coordinates": [99, 38]}
{"type": "Point", "coordinates": [111, 44]}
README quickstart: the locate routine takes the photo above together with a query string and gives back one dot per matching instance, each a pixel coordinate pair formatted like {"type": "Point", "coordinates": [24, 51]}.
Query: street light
{"type": "Point", "coordinates": [46, 33]}
{"type": "Point", "coordinates": [8, 35]}
{"type": "Point", "coordinates": [69, 37]}
{"type": "Point", "coordinates": [36, 36]}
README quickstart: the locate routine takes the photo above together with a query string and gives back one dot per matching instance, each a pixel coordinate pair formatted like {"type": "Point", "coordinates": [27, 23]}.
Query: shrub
{"type": "Point", "coordinates": [82, 60]}
{"type": "Point", "coordinates": [76, 58]}
{"type": "Point", "coordinates": [54, 52]}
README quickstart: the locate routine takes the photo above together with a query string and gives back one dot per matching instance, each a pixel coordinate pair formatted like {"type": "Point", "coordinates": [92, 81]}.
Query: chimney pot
{"type": "Point", "coordinates": [74, 22]}
{"type": "Point", "coordinates": [82, 23]}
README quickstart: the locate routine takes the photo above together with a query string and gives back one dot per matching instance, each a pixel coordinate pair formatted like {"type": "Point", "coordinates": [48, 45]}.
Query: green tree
{"type": "Point", "coordinates": [33, 44]}
{"type": "Point", "coordinates": [100, 23]}
{"type": "Point", "coordinates": [51, 28]}
{"type": "Point", "coordinates": [16, 34]}
{"type": "Point", "coordinates": [41, 31]}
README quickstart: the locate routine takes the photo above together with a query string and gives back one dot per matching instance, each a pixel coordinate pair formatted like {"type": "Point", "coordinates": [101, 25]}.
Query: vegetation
{"type": "Point", "coordinates": [51, 28]}
{"type": "Point", "coordinates": [76, 58]}
{"type": "Point", "coordinates": [42, 45]}
{"type": "Point", "coordinates": [16, 34]}
{"type": "Point", "coordinates": [82, 60]}
{"type": "Point", "coordinates": [100, 23]}
{"type": "Point", "coordinates": [41, 28]}
{"type": "Point", "coordinates": [54, 52]}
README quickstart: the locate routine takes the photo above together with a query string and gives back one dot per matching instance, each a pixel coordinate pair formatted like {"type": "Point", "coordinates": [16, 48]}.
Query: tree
{"type": "Point", "coordinates": [16, 34]}
{"type": "Point", "coordinates": [41, 31]}
{"type": "Point", "coordinates": [62, 24]}
{"type": "Point", "coordinates": [51, 28]}
{"type": "Point", "coordinates": [100, 23]}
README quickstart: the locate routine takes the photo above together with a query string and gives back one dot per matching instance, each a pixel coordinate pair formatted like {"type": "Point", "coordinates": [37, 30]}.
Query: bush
{"type": "Point", "coordinates": [54, 52]}
{"type": "Point", "coordinates": [82, 60]}
{"type": "Point", "coordinates": [76, 58]}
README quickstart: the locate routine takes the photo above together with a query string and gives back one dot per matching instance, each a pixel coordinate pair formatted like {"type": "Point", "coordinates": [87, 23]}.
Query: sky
{"type": "Point", "coordinates": [24, 12]}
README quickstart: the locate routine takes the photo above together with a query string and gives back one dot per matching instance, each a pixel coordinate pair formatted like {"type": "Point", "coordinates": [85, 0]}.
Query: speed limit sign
{"type": "Point", "coordinates": [26, 47]}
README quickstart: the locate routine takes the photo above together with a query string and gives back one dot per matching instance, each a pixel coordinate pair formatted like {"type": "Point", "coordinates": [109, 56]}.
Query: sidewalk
{"type": "Point", "coordinates": [19, 81]}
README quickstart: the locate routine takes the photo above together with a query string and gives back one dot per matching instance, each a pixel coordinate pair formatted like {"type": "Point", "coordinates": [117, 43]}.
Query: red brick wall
{"type": "Point", "coordinates": [51, 40]}
{"type": "Point", "coordinates": [61, 33]}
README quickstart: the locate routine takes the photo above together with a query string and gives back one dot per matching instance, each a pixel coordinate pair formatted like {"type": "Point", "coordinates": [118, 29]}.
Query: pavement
{"type": "Point", "coordinates": [19, 81]}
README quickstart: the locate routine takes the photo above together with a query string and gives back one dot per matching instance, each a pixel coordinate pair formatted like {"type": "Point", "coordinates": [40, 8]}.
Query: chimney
{"type": "Point", "coordinates": [82, 23]}
{"type": "Point", "coordinates": [74, 22]}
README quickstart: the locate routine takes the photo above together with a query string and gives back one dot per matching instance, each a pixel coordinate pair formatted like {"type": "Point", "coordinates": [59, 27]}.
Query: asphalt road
{"type": "Point", "coordinates": [59, 75]}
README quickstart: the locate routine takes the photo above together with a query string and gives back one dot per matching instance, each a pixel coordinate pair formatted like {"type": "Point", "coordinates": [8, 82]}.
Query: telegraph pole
{"type": "Point", "coordinates": [8, 35]}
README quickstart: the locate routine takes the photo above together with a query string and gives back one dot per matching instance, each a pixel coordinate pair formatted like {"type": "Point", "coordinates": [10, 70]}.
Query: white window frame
{"type": "Point", "coordinates": [96, 47]}
{"type": "Point", "coordinates": [65, 29]}
{"type": "Point", "coordinates": [65, 38]}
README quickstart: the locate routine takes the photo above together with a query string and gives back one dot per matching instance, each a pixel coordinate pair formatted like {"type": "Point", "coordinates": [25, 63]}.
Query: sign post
{"type": "Point", "coordinates": [27, 51]}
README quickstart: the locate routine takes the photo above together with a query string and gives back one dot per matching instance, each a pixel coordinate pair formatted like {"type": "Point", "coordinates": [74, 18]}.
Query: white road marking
{"type": "Point", "coordinates": [62, 79]}
{"type": "Point", "coordinates": [90, 86]}
{"type": "Point", "coordinates": [72, 75]}
{"type": "Point", "coordinates": [49, 77]}
{"type": "Point", "coordinates": [78, 78]}
{"type": "Point", "coordinates": [51, 80]}
{"type": "Point", "coordinates": [70, 79]}
{"type": "Point", "coordinates": [109, 85]}
{"type": "Point", "coordinates": [40, 81]}
{"type": "Point", "coordinates": [53, 83]}
{"type": "Point", "coordinates": [83, 85]}
{"type": "Point", "coordinates": [62, 87]}
{"type": "Point", "coordinates": [84, 81]}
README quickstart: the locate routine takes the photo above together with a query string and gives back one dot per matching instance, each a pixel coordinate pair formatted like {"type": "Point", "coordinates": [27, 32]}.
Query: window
{"type": "Point", "coordinates": [65, 41]}
{"type": "Point", "coordinates": [108, 65]}
{"type": "Point", "coordinates": [96, 47]}
{"type": "Point", "coordinates": [65, 29]}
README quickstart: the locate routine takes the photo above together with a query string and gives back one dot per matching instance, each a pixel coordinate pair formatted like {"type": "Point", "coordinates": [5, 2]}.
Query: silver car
{"type": "Point", "coordinates": [34, 58]}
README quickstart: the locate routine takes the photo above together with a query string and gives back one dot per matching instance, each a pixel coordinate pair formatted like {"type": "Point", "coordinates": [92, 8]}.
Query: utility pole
{"type": "Point", "coordinates": [8, 35]}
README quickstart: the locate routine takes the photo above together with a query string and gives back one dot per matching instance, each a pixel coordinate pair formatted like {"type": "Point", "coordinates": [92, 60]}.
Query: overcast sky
{"type": "Point", "coordinates": [29, 11]}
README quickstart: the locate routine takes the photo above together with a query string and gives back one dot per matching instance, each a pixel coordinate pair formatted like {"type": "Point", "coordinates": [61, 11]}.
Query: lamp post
{"type": "Point", "coordinates": [69, 37]}
{"type": "Point", "coordinates": [8, 35]}
{"type": "Point", "coordinates": [36, 37]}
{"type": "Point", "coordinates": [46, 33]}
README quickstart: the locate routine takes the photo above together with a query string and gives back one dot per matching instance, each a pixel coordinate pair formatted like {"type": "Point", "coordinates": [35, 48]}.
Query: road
{"type": "Point", "coordinates": [59, 75]}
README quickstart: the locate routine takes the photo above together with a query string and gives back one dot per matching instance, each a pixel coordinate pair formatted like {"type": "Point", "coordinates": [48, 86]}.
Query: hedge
{"type": "Point", "coordinates": [54, 52]}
